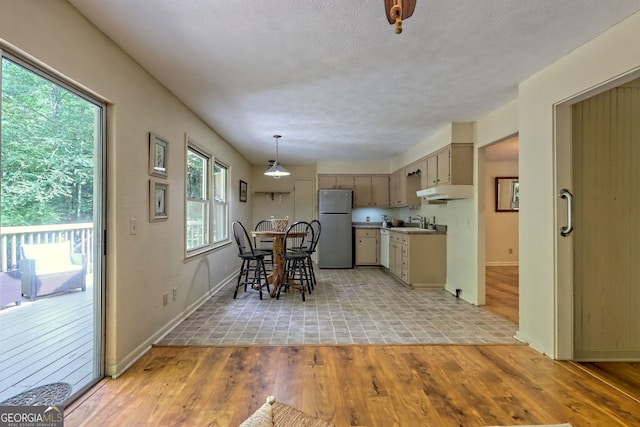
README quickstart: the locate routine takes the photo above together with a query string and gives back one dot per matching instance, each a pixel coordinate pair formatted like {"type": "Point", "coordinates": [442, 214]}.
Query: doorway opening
{"type": "Point", "coordinates": [501, 201]}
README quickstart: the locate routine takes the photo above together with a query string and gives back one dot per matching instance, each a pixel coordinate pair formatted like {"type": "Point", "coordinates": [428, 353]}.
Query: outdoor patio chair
{"type": "Point", "coordinates": [51, 268]}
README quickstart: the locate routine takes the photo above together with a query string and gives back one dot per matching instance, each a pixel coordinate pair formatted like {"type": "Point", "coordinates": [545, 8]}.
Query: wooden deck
{"type": "Point", "coordinates": [47, 340]}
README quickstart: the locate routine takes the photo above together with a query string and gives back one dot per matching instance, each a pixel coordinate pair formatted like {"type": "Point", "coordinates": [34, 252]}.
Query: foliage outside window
{"type": "Point", "coordinates": [49, 135]}
{"type": "Point", "coordinates": [221, 203]}
{"type": "Point", "coordinates": [198, 218]}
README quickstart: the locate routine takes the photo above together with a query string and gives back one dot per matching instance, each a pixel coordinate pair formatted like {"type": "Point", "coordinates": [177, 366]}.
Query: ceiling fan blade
{"type": "Point", "coordinates": [408, 7]}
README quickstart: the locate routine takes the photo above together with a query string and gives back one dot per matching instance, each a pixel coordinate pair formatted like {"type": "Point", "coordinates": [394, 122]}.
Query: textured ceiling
{"type": "Point", "coordinates": [332, 77]}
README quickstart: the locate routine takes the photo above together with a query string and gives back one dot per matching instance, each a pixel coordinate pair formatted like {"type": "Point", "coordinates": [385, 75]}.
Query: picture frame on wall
{"type": "Point", "coordinates": [158, 201]}
{"type": "Point", "coordinates": [158, 156]}
{"type": "Point", "coordinates": [243, 191]}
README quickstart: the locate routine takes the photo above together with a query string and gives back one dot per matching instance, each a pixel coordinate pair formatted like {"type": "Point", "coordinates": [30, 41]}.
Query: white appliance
{"type": "Point", "coordinates": [384, 247]}
{"type": "Point", "coordinates": [335, 248]}
{"type": "Point", "coordinates": [447, 192]}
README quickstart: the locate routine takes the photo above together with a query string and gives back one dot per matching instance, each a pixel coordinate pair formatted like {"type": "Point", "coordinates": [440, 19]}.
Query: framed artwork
{"type": "Point", "coordinates": [158, 155]}
{"type": "Point", "coordinates": [158, 201]}
{"type": "Point", "coordinates": [507, 194]}
{"type": "Point", "coordinates": [515, 195]}
{"type": "Point", "coordinates": [243, 191]}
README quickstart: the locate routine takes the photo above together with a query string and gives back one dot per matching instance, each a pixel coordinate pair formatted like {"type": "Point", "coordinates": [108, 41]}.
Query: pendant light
{"type": "Point", "coordinates": [276, 170]}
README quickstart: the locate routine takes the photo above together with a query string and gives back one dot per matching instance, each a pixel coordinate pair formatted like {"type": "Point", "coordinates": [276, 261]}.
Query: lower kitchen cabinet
{"type": "Point", "coordinates": [367, 246]}
{"type": "Point", "coordinates": [419, 260]}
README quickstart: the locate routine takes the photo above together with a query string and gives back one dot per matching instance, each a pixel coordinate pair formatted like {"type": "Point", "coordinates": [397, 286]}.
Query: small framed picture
{"type": "Point", "coordinates": [158, 201]}
{"type": "Point", "coordinates": [158, 155]}
{"type": "Point", "coordinates": [243, 191]}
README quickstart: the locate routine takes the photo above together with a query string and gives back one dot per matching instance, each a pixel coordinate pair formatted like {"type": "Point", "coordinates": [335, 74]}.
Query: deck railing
{"type": "Point", "coordinates": [81, 236]}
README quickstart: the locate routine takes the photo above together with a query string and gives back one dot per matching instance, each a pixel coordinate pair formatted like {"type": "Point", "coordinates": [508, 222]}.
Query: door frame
{"type": "Point", "coordinates": [563, 248]}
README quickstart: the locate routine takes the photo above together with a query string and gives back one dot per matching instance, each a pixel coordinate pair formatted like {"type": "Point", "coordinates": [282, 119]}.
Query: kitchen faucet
{"type": "Point", "coordinates": [423, 221]}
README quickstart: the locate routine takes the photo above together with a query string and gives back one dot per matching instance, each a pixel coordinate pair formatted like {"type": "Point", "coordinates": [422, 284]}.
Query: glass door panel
{"type": "Point", "coordinates": [51, 225]}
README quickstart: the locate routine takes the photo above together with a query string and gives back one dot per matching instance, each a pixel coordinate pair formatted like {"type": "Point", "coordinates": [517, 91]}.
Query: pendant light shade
{"type": "Point", "coordinates": [276, 170]}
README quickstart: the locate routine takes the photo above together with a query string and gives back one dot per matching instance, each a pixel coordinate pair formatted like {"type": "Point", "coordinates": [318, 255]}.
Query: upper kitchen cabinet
{"type": "Point", "coordinates": [403, 185]}
{"type": "Point", "coordinates": [371, 191]}
{"type": "Point", "coordinates": [452, 164]}
{"type": "Point", "coordinates": [343, 182]}
{"type": "Point", "coordinates": [398, 189]}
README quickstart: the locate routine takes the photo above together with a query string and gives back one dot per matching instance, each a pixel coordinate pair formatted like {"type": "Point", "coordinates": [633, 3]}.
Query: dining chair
{"type": "Point", "coordinates": [297, 241]}
{"type": "Point", "coordinates": [264, 244]}
{"type": "Point", "coordinates": [317, 228]}
{"type": "Point", "coordinates": [252, 270]}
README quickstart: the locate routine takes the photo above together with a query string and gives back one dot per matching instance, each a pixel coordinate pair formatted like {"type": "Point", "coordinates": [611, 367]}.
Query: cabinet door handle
{"type": "Point", "coordinates": [567, 229]}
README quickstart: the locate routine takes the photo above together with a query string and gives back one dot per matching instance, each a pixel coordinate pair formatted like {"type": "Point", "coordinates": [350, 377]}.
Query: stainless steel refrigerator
{"type": "Point", "coordinates": [335, 245]}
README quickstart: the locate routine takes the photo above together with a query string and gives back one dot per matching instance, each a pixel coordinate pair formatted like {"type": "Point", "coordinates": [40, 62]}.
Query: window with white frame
{"type": "Point", "coordinates": [220, 203]}
{"type": "Point", "coordinates": [198, 201]}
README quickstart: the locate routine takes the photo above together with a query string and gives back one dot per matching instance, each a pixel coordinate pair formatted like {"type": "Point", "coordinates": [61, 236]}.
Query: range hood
{"type": "Point", "coordinates": [447, 192]}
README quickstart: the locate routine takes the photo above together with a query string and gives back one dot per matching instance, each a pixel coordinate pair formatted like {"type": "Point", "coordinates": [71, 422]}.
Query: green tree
{"type": "Point", "coordinates": [48, 135]}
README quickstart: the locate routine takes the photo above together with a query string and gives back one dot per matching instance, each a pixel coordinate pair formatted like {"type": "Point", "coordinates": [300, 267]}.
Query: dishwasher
{"type": "Point", "coordinates": [384, 247]}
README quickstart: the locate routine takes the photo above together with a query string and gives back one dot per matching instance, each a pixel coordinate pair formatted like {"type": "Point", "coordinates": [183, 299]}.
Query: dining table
{"type": "Point", "coordinates": [276, 276]}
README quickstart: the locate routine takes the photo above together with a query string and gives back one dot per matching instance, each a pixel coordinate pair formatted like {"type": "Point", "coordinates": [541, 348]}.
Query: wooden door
{"type": "Point", "coordinates": [303, 197]}
{"type": "Point", "coordinates": [606, 237]}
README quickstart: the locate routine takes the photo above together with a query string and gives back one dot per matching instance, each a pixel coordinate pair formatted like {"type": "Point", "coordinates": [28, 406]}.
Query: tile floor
{"type": "Point", "coordinates": [359, 306]}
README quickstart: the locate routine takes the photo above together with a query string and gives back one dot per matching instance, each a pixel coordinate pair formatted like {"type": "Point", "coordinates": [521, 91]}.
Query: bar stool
{"type": "Point", "coordinates": [252, 270]}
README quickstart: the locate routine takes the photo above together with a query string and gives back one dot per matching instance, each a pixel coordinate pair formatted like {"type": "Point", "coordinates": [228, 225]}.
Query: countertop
{"type": "Point", "coordinates": [405, 229]}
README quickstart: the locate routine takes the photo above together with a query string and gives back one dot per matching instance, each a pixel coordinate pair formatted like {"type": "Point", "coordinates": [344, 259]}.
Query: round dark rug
{"type": "Point", "coordinates": [44, 395]}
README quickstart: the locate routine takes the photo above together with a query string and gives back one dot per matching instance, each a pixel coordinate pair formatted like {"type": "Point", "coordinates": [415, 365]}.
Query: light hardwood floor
{"type": "Point", "coordinates": [355, 386]}
{"type": "Point", "coordinates": [503, 299]}
{"type": "Point", "coordinates": [502, 291]}
{"type": "Point", "coordinates": [365, 385]}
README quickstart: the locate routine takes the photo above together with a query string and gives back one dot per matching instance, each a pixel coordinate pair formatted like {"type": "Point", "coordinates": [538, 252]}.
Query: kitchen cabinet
{"type": "Point", "coordinates": [452, 164]}
{"type": "Point", "coordinates": [419, 260]}
{"type": "Point", "coordinates": [396, 248]}
{"type": "Point", "coordinates": [398, 189]}
{"type": "Point", "coordinates": [367, 246]}
{"type": "Point", "coordinates": [327, 182]}
{"type": "Point", "coordinates": [403, 185]}
{"type": "Point", "coordinates": [371, 190]}
{"type": "Point", "coordinates": [414, 174]}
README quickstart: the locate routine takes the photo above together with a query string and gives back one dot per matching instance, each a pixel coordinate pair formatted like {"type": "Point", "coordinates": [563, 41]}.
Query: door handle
{"type": "Point", "coordinates": [567, 229]}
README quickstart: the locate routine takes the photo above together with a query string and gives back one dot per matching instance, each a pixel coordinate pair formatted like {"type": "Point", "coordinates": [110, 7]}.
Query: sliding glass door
{"type": "Point", "coordinates": [51, 222]}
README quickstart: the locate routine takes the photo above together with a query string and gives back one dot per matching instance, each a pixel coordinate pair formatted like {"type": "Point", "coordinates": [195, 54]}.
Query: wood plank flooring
{"type": "Point", "coordinates": [503, 299]}
{"type": "Point", "coordinates": [502, 295]}
{"type": "Point", "coordinates": [357, 386]}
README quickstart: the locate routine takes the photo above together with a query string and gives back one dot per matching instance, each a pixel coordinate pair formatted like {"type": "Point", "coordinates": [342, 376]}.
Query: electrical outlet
{"type": "Point", "coordinates": [510, 251]}
{"type": "Point", "coordinates": [165, 298]}
{"type": "Point", "coordinates": [175, 294]}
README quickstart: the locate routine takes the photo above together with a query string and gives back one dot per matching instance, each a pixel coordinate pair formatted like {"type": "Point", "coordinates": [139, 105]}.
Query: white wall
{"type": "Point", "coordinates": [613, 55]}
{"type": "Point", "coordinates": [144, 266]}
